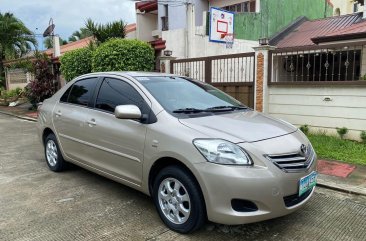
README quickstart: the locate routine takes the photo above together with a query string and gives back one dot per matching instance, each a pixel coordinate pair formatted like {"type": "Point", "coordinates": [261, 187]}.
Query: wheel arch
{"type": "Point", "coordinates": [163, 162]}
{"type": "Point", "coordinates": [45, 133]}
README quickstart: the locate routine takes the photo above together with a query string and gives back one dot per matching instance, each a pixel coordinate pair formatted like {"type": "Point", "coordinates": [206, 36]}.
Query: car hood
{"type": "Point", "coordinates": [247, 126]}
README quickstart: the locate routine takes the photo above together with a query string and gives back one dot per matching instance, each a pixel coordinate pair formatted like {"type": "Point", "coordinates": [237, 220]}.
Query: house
{"type": "Point", "coordinates": [342, 7]}
{"type": "Point", "coordinates": [317, 74]}
{"type": "Point", "coordinates": [182, 27]}
{"type": "Point", "coordinates": [313, 73]}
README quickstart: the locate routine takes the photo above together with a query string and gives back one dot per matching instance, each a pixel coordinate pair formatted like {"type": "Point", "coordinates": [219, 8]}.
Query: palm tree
{"type": "Point", "coordinates": [103, 32]}
{"type": "Point", "coordinates": [48, 42]}
{"type": "Point", "coordinates": [80, 34]}
{"type": "Point", "coordinates": [15, 39]}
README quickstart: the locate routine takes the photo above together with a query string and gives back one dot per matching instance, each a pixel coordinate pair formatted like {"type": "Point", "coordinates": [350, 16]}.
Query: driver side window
{"type": "Point", "coordinates": [114, 92]}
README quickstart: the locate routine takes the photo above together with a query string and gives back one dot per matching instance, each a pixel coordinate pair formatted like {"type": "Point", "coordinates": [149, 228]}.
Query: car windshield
{"type": "Point", "coordinates": [180, 95]}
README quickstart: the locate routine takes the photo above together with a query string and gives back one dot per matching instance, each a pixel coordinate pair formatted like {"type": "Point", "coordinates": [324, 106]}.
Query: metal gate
{"type": "Point", "coordinates": [234, 74]}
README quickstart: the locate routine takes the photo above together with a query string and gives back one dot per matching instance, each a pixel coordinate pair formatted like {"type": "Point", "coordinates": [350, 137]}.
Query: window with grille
{"type": "Point", "coordinates": [244, 7]}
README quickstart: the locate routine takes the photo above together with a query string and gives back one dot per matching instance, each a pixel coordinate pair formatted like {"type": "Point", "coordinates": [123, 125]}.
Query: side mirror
{"type": "Point", "coordinates": [127, 112]}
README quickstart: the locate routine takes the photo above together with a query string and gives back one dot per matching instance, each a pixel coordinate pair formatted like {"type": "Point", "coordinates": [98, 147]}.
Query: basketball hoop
{"type": "Point", "coordinates": [229, 40]}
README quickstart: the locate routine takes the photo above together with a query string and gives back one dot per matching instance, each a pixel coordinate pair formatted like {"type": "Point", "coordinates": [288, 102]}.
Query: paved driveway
{"type": "Point", "coordinates": [37, 204]}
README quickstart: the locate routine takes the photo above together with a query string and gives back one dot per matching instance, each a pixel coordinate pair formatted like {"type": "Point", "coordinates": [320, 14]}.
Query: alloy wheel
{"type": "Point", "coordinates": [174, 201]}
{"type": "Point", "coordinates": [51, 153]}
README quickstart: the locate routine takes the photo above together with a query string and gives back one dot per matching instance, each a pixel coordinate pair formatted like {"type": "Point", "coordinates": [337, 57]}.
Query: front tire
{"type": "Point", "coordinates": [54, 158]}
{"type": "Point", "coordinates": [179, 200]}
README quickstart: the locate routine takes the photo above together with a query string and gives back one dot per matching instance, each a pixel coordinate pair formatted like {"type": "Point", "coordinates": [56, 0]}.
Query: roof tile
{"type": "Point", "coordinates": [304, 33]}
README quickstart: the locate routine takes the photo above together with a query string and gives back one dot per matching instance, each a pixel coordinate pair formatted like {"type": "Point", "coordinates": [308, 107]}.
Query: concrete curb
{"type": "Point", "coordinates": [18, 116]}
{"type": "Point", "coordinates": [340, 188]}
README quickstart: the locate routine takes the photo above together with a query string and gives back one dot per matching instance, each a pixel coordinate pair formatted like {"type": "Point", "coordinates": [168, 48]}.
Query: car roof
{"type": "Point", "coordinates": [129, 73]}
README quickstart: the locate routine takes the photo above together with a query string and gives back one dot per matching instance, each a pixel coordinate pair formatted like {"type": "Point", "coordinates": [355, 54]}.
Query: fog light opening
{"type": "Point", "coordinates": [241, 205]}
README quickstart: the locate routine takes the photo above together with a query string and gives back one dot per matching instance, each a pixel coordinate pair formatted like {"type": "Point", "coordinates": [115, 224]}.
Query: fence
{"type": "Point", "coordinates": [18, 78]}
{"type": "Point", "coordinates": [233, 74]}
{"type": "Point", "coordinates": [337, 63]}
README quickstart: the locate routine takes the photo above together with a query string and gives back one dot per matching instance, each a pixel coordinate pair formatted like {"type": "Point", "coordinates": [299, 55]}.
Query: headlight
{"type": "Point", "coordinates": [222, 152]}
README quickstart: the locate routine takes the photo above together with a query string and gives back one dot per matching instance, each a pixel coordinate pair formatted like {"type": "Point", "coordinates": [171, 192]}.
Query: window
{"type": "Point", "coordinates": [244, 7]}
{"type": "Point", "coordinates": [179, 93]}
{"type": "Point", "coordinates": [165, 18]}
{"type": "Point", "coordinates": [114, 92]}
{"type": "Point", "coordinates": [82, 91]}
{"type": "Point", "coordinates": [65, 96]}
{"type": "Point", "coordinates": [355, 7]}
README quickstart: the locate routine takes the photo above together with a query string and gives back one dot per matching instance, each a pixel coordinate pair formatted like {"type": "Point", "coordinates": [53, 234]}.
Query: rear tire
{"type": "Point", "coordinates": [179, 200]}
{"type": "Point", "coordinates": [54, 158]}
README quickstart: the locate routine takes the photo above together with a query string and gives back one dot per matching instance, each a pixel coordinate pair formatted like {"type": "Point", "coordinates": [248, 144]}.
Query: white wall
{"type": "Point", "coordinates": [221, 3]}
{"type": "Point", "coordinates": [301, 105]}
{"type": "Point", "coordinates": [201, 46]}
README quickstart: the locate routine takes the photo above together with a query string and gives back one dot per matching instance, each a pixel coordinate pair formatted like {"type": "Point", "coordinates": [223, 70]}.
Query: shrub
{"type": "Point", "coordinates": [8, 96]}
{"type": "Point", "coordinates": [42, 87]}
{"type": "Point", "coordinates": [305, 129]}
{"type": "Point", "coordinates": [342, 131]}
{"type": "Point", "coordinates": [123, 55]}
{"type": "Point", "coordinates": [76, 63]}
{"type": "Point", "coordinates": [363, 136]}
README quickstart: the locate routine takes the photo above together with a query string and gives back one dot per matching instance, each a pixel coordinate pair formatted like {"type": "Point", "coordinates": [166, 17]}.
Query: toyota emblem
{"type": "Point", "coordinates": [304, 149]}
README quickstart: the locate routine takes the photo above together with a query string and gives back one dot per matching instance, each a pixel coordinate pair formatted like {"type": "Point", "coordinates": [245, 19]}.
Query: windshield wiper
{"type": "Point", "coordinates": [226, 108]}
{"type": "Point", "coordinates": [188, 110]}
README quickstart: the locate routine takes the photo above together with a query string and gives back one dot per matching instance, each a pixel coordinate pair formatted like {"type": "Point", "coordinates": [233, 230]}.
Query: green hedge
{"type": "Point", "coordinates": [123, 55]}
{"type": "Point", "coordinates": [76, 63]}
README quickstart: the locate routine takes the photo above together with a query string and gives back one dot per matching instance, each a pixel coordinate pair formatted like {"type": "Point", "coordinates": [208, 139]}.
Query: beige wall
{"type": "Point", "coordinates": [306, 105]}
{"type": "Point", "coordinates": [131, 35]}
{"type": "Point", "coordinates": [17, 78]}
{"type": "Point", "coordinates": [145, 24]}
{"type": "Point", "coordinates": [345, 6]}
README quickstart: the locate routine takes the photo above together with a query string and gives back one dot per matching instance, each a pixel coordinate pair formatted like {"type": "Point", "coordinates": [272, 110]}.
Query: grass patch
{"type": "Point", "coordinates": [334, 148]}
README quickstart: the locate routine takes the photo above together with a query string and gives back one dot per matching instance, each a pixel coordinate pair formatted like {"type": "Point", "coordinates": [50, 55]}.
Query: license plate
{"type": "Point", "coordinates": [307, 182]}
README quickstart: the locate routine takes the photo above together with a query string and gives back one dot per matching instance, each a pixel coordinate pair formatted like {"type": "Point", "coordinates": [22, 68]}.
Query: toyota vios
{"type": "Point", "coordinates": [198, 152]}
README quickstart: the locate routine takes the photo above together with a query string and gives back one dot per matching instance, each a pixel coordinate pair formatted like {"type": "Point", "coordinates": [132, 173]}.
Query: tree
{"type": "Point", "coordinates": [48, 42]}
{"type": "Point", "coordinates": [15, 39]}
{"type": "Point", "coordinates": [80, 34]}
{"type": "Point", "coordinates": [42, 87]}
{"type": "Point", "coordinates": [123, 55]}
{"type": "Point", "coordinates": [103, 32]}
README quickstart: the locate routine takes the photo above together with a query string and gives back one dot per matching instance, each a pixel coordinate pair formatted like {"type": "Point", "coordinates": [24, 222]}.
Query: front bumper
{"type": "Point", "coordinates": [259, 185]}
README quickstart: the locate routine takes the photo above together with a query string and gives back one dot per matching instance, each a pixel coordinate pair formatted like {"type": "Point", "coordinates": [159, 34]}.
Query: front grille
{"type": "Point", "coordinates": [293, 162]}
{"type": "Point", "coordinates": [295, 199]}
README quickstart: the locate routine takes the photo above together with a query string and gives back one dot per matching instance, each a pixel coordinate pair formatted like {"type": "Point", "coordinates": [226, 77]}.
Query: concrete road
{"type": "Point", "coordinates": [37, 204]}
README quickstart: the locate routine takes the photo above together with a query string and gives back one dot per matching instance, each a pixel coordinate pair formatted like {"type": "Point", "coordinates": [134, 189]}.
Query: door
{"type": "Point", "coordinates": [69, 118]}
{"type": "Point", "coordinates": [119, 144]}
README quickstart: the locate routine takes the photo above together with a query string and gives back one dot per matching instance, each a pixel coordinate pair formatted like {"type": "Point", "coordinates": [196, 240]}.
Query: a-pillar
{"type": "Point", "coordinates": [261, 78]}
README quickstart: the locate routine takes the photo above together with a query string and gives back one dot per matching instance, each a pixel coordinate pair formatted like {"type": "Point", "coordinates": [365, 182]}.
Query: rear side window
{"type": "Point", "coordinates": [114, 92]}
{"type": "Point", "coordinates": [65, 96]}
{"type": "Point", "coordinates": [82, 91]}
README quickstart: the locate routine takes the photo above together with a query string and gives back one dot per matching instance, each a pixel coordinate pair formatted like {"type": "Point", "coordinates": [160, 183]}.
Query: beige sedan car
{"type": "Point", "coordinates": [199, 153]}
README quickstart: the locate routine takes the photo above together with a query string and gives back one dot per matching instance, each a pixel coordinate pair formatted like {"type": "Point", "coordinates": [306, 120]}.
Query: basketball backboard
{"type": "Point", "coordinates": [221, 24]}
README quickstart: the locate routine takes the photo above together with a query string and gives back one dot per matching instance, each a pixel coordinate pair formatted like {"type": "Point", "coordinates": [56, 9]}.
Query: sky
{"type": "Point", "coordinates": [68, 15]}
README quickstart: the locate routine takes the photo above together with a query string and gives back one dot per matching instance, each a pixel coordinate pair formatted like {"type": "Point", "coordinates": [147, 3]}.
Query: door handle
{"type": "Point", "coordinates": [92, 122]}
{"type": "Point", "coordinates": [58, 113]}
